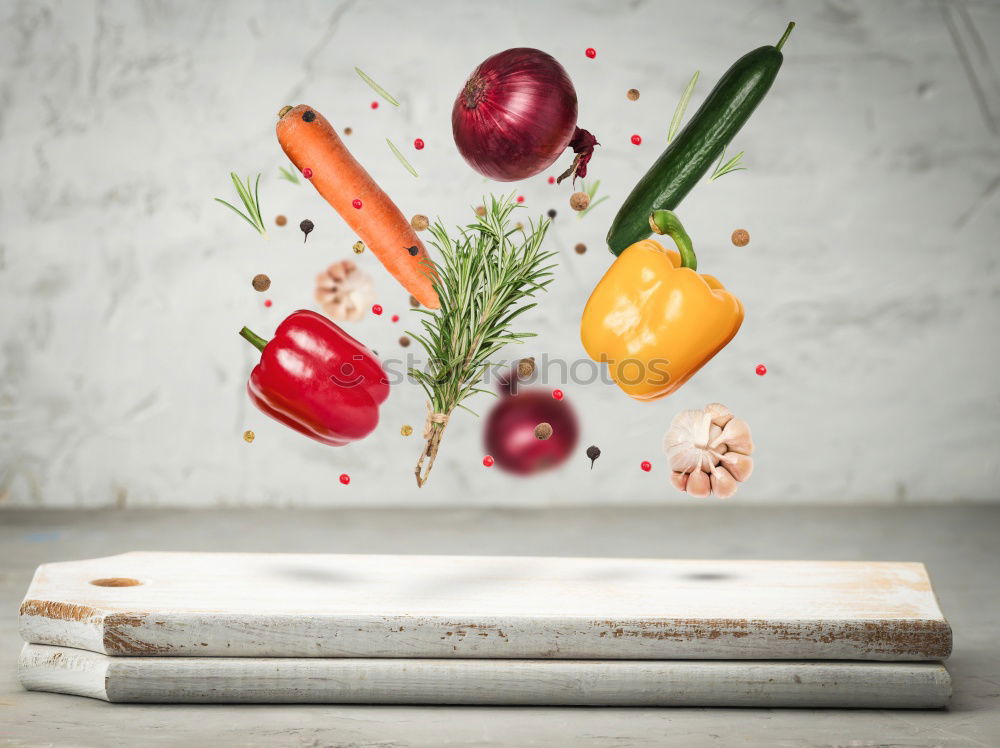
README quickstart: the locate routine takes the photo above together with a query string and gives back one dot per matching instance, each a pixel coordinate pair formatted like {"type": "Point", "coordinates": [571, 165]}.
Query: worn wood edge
{"type": "Point", "coordinates": [83, 627]}
{"type": "Point", "coordinates": [63, 670]}
{"type": "Point", "coordinates": [86, 627]}
{"type": "Point", "coordinates": [140, 634]}
{"type": "Point", "coordinates": [822, 684]}
{"type": "Point", "coordinates": [59, 623]}
{"type": "Point", "coordinates": [947, 636]}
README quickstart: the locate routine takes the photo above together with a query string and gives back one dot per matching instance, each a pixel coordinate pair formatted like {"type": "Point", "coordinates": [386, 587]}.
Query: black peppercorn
{"type": "Point", "coordinates": [306, 227]}
{"type": "Point", "coordinates": [552, 212]}
{"type": "Point", "coordinates": [309, 116]}
{"type": "Point", "coordinates": [413, 250]}
{"type": "Point", "coordinates": [593, 453]}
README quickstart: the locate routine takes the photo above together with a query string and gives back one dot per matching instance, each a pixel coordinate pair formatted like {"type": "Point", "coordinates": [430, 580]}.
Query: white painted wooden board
{"type": "Point", "coordinates": [729, 683]}
{"type": "Point", "coordinates": [318, 605]}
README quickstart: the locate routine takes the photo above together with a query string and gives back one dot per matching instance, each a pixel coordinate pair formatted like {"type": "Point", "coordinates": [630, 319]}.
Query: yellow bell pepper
{"type": "Point", "coordinates": [653, 319]}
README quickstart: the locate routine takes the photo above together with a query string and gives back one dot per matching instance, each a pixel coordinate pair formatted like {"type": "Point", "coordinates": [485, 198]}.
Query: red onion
{"type": "Point", "coordinates": [516, 114]}
{"type": "Point", "coordinates": [510, 430]}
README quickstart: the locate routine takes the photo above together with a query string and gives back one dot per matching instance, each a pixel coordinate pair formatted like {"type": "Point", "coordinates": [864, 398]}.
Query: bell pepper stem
{"type": "Point", "coordinates": [256, 340]}
{"type": "Point", "coordinates": [667, 222]}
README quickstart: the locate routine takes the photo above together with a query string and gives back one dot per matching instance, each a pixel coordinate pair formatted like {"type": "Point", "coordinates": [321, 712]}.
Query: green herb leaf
{"type": "Point", "coordinates": [592, 192]}
{"type": "Point", "coordinates": [590, 207]}
{"type": "Point", "coordinates": [376, 87]}
{"type": "Point", "coordinates": [250, 197]}
{"type": "Point", "coordinates": [235, 210]}
{"type": "Point", "coordinates": [291, 176]}
{"type": "Point", "coordinates": [675, 123]}
{"type": "Point", "coordinates": [402, 158]}
{"type": "Point", "coordinates": [733, 164]}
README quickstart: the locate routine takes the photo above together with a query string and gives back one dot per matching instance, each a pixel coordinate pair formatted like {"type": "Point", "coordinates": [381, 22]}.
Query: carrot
{"type": "Point", "coordinates": [311, 143]}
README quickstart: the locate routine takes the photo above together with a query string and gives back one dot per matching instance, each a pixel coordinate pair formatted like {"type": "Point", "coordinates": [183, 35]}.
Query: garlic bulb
{"type": "Point", "coordinates": [709, 451]}
{"type": "Point", "coordinates": [344, 292]}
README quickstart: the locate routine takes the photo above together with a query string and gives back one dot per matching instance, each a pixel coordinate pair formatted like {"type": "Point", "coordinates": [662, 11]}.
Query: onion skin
{"type": "Point", "coordinates": [515, 115]}
{"type": "Point", "coordinates": [510, 432]}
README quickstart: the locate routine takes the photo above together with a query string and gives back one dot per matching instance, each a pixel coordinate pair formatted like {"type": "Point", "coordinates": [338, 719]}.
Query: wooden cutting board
{"type": "Point", "coordinates": [318, 605]}
{"type": "Point", "coordinates": [733, 683]}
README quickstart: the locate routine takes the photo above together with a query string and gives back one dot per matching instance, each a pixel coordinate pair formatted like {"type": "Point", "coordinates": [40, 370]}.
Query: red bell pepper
{"type": "Point", "coordinates": [317, 379]}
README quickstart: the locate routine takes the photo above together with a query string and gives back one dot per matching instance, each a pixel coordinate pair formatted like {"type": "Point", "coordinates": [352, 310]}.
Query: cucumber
{"type": "Point", "coordinates": [699, 144]}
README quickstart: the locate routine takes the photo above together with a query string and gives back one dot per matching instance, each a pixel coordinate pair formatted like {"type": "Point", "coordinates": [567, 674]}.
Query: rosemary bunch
{"type": "Point", "coordinates": [484, 277]}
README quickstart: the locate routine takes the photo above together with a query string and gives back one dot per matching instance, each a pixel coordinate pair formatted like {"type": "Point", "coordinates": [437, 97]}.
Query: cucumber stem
{"type": "Point", "coordinates": [667, 222]}
{"type": "Point", "coordinates": [781, 41]}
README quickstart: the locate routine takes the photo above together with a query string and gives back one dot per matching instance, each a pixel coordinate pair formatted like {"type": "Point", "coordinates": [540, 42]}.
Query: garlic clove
{"type": "Point", "coordinates": [737, 437]}
{"type": "Point", "coordinates": [723, 483]}
{"type": "Point", "coordinates": [721, 415]}
{"type": "Point", "coordinates": [739, 465]}
{"type": "Point", "coordinates": [699, 485]}
{"type": "Point", "coordinates": [714, 432]}
{"type": "Point", "coordinates": [679, 480]}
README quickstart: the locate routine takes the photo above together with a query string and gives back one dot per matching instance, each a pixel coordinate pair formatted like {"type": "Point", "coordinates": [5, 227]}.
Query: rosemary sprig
{"type": "Point", "coordinates": [675, 123]}
{"type": "Point", "coordinates": [376, 87]}
{"type": "Point", "coordinates": [483, 279]}
{"type": "Point", "coordinates": [733, 164]}
{"type": "Point", "coordinates": [251, 201]}
{"type": "Point", "coordinates": [591, 192]}
{"type": "Point", "coordinates": [288, 174]}
{"type": "Point", "coordinates": [402, 158]}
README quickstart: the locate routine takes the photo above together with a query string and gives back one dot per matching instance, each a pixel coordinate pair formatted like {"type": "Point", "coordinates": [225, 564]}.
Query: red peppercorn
{"type": "Point", "coordinates": [374, 105]}
{"type": "Point", "coordinates": [488, 461]}
{"type": "Point", "coordinates": [552, 180]}
{"type": "Point", "coordinates": [591, 53]}
{"type": "Point", "coordinates": [646, 465]}
{"type": "Point", "coordinates": [520, 198]}
{"type": "Point", "coordinates": [377, 309]}
{"type": "Point", "coordinates": [307, 173]}
{"type": "Point", "coordinates": [268, 302]}
{"type": "Point", "coordinates": [636, 140]}
{"type": "Point", "coordinates": [761, 370]}
{"type": "Point", "coordinates": [395, 318]}
{"type": "Point", "coordinates": [557, 394]}
{"type": "Point", "coordinates": [418, 144]}
{"type": "Point", "coordinates": [345, 478]}
{"type": "Point", "coordinates": [356, 203]}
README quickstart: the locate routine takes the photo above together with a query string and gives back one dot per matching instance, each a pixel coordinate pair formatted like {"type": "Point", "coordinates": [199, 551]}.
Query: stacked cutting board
{"type": "Point", "coordinates": [297, 628]}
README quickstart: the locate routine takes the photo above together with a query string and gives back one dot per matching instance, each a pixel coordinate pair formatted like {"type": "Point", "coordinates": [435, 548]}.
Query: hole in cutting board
{"type": "Point", "coordinates": [115, 582]}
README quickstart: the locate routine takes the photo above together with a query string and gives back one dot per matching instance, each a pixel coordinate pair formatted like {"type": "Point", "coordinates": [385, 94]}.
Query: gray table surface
{"type": "Point", "coordinates": [958, 544]}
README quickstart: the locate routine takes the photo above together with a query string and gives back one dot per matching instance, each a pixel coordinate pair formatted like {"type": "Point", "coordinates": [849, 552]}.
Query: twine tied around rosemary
{"type": "Point", "coordinates": [434, 426]}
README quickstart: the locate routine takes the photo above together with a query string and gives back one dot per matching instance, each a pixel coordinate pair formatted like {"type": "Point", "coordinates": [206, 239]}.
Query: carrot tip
{"type": "Point", "coordinates": [283, 111]}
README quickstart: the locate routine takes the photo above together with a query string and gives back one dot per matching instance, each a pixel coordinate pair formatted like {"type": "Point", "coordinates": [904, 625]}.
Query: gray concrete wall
{"type": "Point", "coordinates": [871, 282]}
